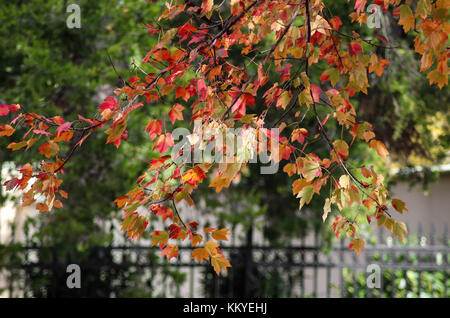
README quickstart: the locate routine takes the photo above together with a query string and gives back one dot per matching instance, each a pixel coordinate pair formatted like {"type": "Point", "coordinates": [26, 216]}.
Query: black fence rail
{"type": "Point", "coordinates": [419, 268]}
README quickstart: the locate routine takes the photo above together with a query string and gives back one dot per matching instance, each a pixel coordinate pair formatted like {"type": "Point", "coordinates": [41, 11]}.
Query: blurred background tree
{"type": "Point", "coordinates": [48, 68]}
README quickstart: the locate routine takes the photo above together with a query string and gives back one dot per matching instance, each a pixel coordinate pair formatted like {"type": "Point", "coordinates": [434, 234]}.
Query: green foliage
{"type": "Point", "coordinates": [49, 68]}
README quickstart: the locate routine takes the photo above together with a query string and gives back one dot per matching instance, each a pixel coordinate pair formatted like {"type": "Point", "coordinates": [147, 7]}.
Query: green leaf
{"type": "Point", "coordinates": [306, 195]}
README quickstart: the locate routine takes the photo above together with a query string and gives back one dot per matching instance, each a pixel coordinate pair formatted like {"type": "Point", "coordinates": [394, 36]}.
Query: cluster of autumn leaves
{"type": "Point", "coordinates": [221, 94]}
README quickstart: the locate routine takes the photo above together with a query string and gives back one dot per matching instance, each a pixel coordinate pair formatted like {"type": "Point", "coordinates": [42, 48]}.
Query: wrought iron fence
{"type": "Point", "coordinates": [418, 268]}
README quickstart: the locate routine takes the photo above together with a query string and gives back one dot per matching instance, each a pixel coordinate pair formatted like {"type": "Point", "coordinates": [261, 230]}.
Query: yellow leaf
{"type": "Point", "coordinates": [211, 247]}
{"type": "Point", "coordinates": [220, 183]}
{"type": "Point", "coordinates": [400, 230]}
{"type": "Point", "coordinates": [220, 262]}
{"type": "Point", "coordinates": [200, 254]}
{"type": "Point", "coordinates": [326, 209]}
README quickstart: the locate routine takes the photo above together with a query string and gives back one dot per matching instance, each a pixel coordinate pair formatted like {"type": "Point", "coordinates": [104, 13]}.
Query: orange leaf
{"type": "Point", "coordinates": [357, 245]}
{"type": "Point", "coordinates": [42, 207]}
{"type": "Point", "coordinates": [379, 147]}
{"type": "Point", "coordinates": [220, 262]}
{"type": "Point", "coordinates": [200, 254]}
{"type": "Point", "coordinates": [176, 113]}
{"type": "Point", "coordinates": [170, 251]}
{"type": "Point", "coordinates": [221, 235]}
{"type": "Point", "coordinates": [407, 19]}
{"type": "Point", "coordinates": [196, 239]}
{"type": "Point", "coordinates": [49, 148]}
{"type": "Point", "coordinates": [6, 130]}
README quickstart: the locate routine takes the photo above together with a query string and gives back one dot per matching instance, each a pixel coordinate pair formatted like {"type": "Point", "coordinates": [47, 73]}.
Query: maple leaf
{"type": "Point", "coordinates": [202, 89]}
{"type": "Point", "coordinates": [200, 254]}
{"type": "Point", "coordinates": [357, 245]}
{"type": "Point", "coordinates": [221, 235]}
{"type": "Point", "coordinates": [360, 5]}
{"type": "Point", "coordinates": [62, 128]}
{"type": "Point", "coordinates": [176, 113]}
{"type": "Point", "coordinates": [196, 239]}
{"type": "Point", "coordinates": [310, 170]}
{"type": "Point", "coordinates": [117, 131]}
{"type": "Point", "coordinates": [399, 230]}
{"type": "Point", "coordinates": [64, 194]}
{"type": "Point", "coordinates": [283, 100]}
{"type": "Point", "coordinates": [4, 110]}
{"type": "Point", "coordinates": [49, 148]}
{"type": "Point", "coordinates": [354, 49]}
{"type": "Point", "coordinates": [319, 25]}
{"type": "Point", "coordinates": [182, 92]}
{"type": "Point", "coordinates": [290, 169]}
{"type": "Point", "coordinates": [212, 247]}
{"type": "Point", "coordinates": [6, 130]}
{"type": "Point", "coordinates": [298, 185]}
{"type": "Point", "coordinates": [335, 22]}
{"type": "Point", "coordinates": [342, 149]}
{"type": "Point", "coordinates": [299, 134]}
{"type": "Point", "coordinates": [121, 201]}
{"type": "Point", "coordinates": [16, 146]}
{"type": "Point", "coordinates": [154, 128]}
{"type": "Point", "coordinates": [330, 74]}
{"type": "Point", "coordinates": [228, 174]}
{"type": "Point", "coordinates": [163, 142]}
{"type": "Point", "coordinates": [399, 205]}
{"type": "Point", "coordinates": [170, 251]}
{"type": "Point", "coordinates": [316, 90]}
{"type": "Point", "coordinates": [174, 230]}
{"type": "Point", "coordinates": [326, 209]}
{"type": "Point", "coordinates": [377, 65]}
{"type": "Point", "coordinates": [42, 207]}
{"type": "Point", "coordinates": [194, 176]}
{"type": "Point", "coordinates": [379, 147]}
{"type": "Point", "coordinates": [11, 184]}
{"type": "Point", "coordinates": [157, 163]}
{"type": "Point", "coordinates": [163, 211]}
{"type": "Point", "coordinates": [159, 237]}
{"type": "Point", "coordinates": [306, 195]}
{"type": "Point", "coordinates": [220, 262]}
{"type": "Point", "coordinates": [438, 77]}
{"type": "Point", "coordinates": [407, 19]}
{"type": "Point", "coordinates": [423, 8]}
{"type": "Point", "coordinates": [207, 5]}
